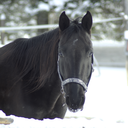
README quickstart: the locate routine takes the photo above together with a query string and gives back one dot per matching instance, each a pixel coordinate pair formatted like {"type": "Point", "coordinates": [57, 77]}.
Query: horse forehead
{"type": "Point", "coordinates": [77, 41]}
{"type": "Point", "coordinates": [77, 44]}
{"type": "Point", "coordinates": [76, 48]}
{"type": "Point", "coordinates": [74, 41]}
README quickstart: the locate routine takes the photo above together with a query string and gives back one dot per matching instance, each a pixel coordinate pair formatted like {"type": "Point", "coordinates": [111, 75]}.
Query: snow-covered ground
{"type": "Point", "coordinates": [108, 43]}
{"type": "Point", "coordinates": [106, 105]}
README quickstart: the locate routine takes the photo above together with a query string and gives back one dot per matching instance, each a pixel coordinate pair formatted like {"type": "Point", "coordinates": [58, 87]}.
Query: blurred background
{"type": "Point", "coordinates": [107, 96]}
{"type": "Point", "coordinates": [108, 18]}
{"type": "Point", "coordinates": [39, 12]}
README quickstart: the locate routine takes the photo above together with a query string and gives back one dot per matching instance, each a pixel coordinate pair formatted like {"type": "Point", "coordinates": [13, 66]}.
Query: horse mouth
{"type": "Point", "coordinates": [75, 109]}
{"type": "Point", "coordinates": [75, 105]}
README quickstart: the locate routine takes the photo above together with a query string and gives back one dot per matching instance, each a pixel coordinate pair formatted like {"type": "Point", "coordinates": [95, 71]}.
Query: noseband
{"type": "Point", "coordinates": [74, 80]}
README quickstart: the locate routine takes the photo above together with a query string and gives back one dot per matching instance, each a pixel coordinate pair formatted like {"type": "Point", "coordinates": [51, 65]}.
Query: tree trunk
{"type": "Point", "coordinates": [42, 18]}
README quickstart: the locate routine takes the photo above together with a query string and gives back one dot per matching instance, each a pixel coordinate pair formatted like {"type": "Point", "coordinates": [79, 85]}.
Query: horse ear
{"type": "Point", "coordinates": [63, 21]}
{"type": "Point", "coordinates": [87, 22]}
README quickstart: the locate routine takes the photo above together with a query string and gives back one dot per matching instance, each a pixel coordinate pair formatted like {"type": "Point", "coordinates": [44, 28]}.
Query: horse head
{"type": "Point", "coordinates": [75, 59]}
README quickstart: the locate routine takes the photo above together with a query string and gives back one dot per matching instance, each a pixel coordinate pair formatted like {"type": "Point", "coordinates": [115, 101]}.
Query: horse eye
{"type": "Point", "coordinates": [90, 54]}
{"type": "Point", "coordinates": [60, 54]}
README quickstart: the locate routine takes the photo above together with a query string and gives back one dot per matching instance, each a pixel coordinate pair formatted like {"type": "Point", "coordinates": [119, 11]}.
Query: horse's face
{"type": "Point", "coordinates": [75, 59]}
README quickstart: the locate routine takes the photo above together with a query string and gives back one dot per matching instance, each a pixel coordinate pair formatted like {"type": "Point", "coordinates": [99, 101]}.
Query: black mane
{"type": "Point", "coordinates": [35, 57]}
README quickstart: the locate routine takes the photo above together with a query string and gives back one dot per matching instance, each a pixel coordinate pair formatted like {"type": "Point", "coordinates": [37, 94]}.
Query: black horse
{"type": "Point", "coordinates": [40, 77]}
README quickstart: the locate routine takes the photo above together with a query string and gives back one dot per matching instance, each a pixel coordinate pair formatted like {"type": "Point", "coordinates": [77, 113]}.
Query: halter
{"type": "Point", "coordinates": [74, 80]}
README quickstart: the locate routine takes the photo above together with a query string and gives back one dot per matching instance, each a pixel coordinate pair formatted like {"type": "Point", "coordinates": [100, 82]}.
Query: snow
{"type": "Point", "coordinates": [41, 7]}
{"type": "Point", "coordinates": [107, 95]}
{"type": "Point", "coordinates": [46, 7]}
{"type": "Point", "coordinates": [106, 105]}
{"type": "Point", "coordinates": [108, 43]}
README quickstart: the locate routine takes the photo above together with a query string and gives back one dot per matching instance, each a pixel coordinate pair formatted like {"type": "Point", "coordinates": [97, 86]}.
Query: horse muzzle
{"type": "Point", "coordinates": [74, 105]}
